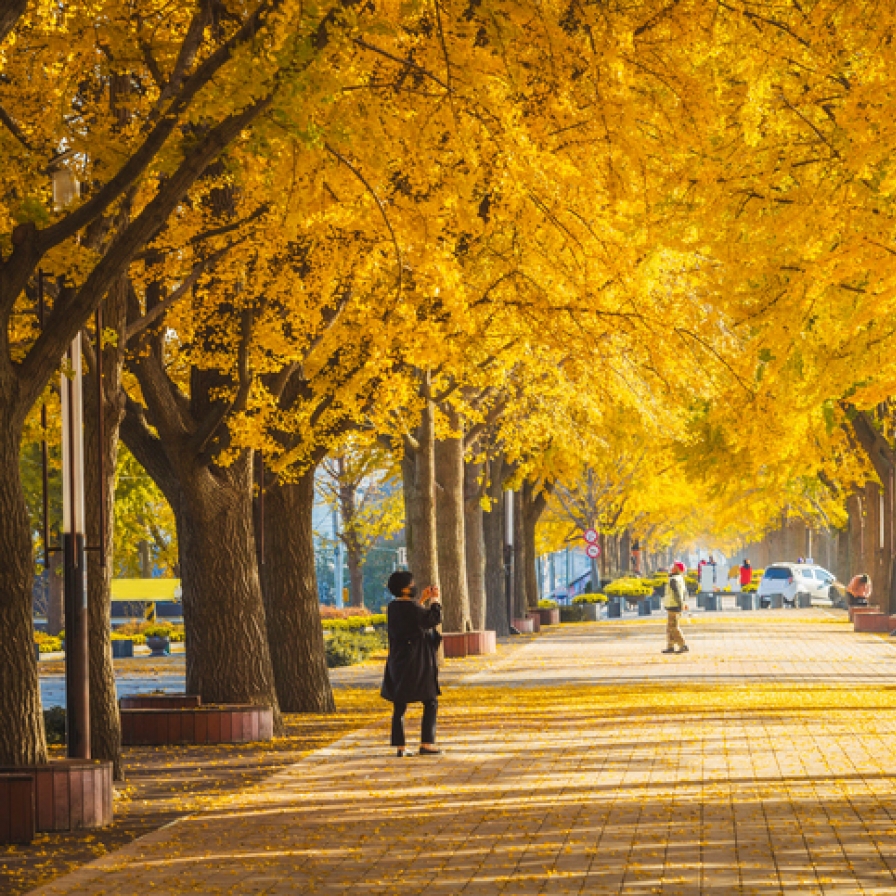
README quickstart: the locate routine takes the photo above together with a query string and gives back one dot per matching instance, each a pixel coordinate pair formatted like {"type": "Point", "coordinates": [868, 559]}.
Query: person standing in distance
{"type": "Point", "coordinates": [412, 670]}
{"type": "Point", "coordinates": [674, 605]}
{"type": "Point", "coordinates": [746, 574]}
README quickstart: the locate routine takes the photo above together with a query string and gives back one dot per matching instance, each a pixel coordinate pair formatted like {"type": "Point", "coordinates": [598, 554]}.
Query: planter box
{"type": "Point", "coordinates": [871, 622]}
{"type": "Point", "coordinates": [711, 603]}
{"type": "Point", "coordinates": [590, 612]}
{"type": "Point", "coordinates": [550, 617]}
{"type": "Point", "coordinates": [746, 601]}
{"type": "Point", "coordinates": [614, 609]}
{"type": "Point", "coordinates": [777, 601]}
{"type": "Point", "coordinates": [481, 643]}
{"type": "Point", "coordinates": [17, 822]}
{"type": "Point", "coordinates": [701, 600]}
{"type": "Point", "coordinates": [536, 620]}
{"type": "Point", "coordinates": [454, 644]}
{"type": "Point", "coordinates": [158, 645]}
{"type": "Point", "coordinates": [121, 648]}
{"type": "Point", "coordinates": [524, 626]}
{"type": "Point", "coordinates": [644, 608]}
{"type": "Point", "coordinates": [804, 601]}
{"type": "Point", "coordinates": [223, 723]}
{"type": "Point", "coordinates": [854, 611]}
{"type": "Point", "coordinates": [69, 794]}
{"type": "Point", "coordinates": [573, 613]}
{"type": "Point", "coordinates": [160, 701]}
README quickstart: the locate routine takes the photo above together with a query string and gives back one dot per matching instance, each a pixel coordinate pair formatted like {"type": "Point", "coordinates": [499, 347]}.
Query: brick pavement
{"type": "Point", "coordinates": [584, 762]}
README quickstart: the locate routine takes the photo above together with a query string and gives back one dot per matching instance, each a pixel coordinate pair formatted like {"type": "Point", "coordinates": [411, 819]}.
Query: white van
{"type": "Point", "coordinates": [790, 580]}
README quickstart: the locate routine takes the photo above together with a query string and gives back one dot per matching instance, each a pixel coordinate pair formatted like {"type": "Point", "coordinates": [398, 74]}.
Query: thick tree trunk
{"type": "Point", "coordinates": [418, 479]}
{"type": "Point", "coordinates": [520, 559]}
{"type": "Point", "coordinates": [21, 722]}
{"type": "Point", "coordinates": [496, 615]}
{"type": "Point", "coordinates": [474, 548]}
{"type": "Point", "coordinates": [105, 724]}
{"type": "Point", "coordinates": [533, 506]}
{"type": "Point", "coordinates": [291, 599]}
{"type": "Point", "coordinates": [228, 658]}
{"type": "Point", "coordinates": [449, 468]}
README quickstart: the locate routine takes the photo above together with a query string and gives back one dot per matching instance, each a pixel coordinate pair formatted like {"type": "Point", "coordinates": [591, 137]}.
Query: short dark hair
{"type": "Point", "coordinates": [398, 581]}
{"type": "Point", "coordinates": [863, 578]}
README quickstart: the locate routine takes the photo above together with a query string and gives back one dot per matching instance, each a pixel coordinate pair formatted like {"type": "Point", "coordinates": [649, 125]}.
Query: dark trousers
{"type": "Point", "coordinates": [428, 730]}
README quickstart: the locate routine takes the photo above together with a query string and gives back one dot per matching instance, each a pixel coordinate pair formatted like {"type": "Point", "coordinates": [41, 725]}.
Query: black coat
{"type": "Point", "coordinates": [412, 671]}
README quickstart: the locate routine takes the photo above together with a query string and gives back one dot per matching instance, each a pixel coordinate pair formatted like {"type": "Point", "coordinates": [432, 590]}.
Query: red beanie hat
{"type": "Point", "coordinates": [678, 566]}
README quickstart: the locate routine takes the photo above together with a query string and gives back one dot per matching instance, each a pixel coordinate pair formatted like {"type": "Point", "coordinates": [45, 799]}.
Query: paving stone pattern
{"type": "Point", "coordinates": [584, 762]}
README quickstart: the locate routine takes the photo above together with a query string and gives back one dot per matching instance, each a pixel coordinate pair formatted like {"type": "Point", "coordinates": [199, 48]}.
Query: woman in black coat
{"type": "Point", "coordinates": [412, 671]}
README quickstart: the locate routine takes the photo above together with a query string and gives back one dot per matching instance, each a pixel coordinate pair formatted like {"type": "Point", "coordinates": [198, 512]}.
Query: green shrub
{"type": "Point", "coordinates": [630, 588]}
{"type": "Point", "coordinates": [350, 648]}
{"type": "Point", "coordinates": [353, 623]}
{"type": "Point", "coordinates": [692, 583]}
{"type": "Point", "coordinates": [48, 644]}
{"type": "Point", "coordinates": [590, 599]}
{"type": "Point", "coordinates": [54, 724]}
{"type": "Point", "coordinates": [547, 605]}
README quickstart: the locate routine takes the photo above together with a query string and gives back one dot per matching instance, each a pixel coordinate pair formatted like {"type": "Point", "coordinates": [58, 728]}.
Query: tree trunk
{"type": "Point", "coordinates": [21, 722]}
{"type": "Point", "coordinates": [533, 506]}
{"type": "Point", "coordinates": [228, 658]}
{"type": "Point", "coordinates": [520, 559]}
{"type": "Point", "coordinates": [291, 600]}
{"type": "Point", "coordinates": [449, 468]}
{"type": "Point", "coordinates": [55, 598]}
{"type": "Point", "coordinates": [105, 724]}
{"type": "Point", "coordinates": [474, 548]}
{"type": "Point", "coordinates": [418, 475]}
{"type": "Point", "coordinates": [355, 575]}
{"type": "Point", "coordinates": [496, 615]}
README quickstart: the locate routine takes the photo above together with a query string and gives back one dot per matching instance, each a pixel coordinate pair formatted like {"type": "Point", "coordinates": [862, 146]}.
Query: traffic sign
{"type": "Point", "coordinates": [593, 551]}
{"type": "Point", "coordinates": [590, 535]}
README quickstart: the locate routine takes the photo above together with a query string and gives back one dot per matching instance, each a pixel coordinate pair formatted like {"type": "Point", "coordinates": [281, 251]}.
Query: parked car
{"type": "Point", "coordinates": [790, 580]}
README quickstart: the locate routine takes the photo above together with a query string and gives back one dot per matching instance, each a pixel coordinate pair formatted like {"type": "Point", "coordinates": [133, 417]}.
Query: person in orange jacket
{"type": "Point", "coordinates": [859, 590]}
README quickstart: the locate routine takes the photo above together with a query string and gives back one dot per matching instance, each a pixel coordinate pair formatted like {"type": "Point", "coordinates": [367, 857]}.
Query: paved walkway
{"type": "Point", "coordinates": [585, 762]}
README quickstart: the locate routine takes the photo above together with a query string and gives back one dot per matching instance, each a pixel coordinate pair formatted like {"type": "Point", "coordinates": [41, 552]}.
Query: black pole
{"type": "Point", "coordinates": [101, 430]}
{"type": "Point", "coordinates": [44, 455]}
{"type": "Point", "coordinates": [77, 670]}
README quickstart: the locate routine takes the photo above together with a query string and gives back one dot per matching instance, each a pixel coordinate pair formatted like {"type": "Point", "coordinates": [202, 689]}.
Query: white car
{"type": "Point", "coordinates": [795, 584]}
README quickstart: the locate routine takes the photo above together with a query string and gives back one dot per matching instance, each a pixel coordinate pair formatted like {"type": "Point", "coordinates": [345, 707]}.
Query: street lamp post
{"type": "Point", "coordinates": [77, 663]}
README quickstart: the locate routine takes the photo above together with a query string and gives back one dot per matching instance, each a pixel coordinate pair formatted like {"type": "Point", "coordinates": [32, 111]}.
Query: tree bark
{"type": "Point", "coordinates": [418, 480]}
{"type": "Point", "coordinates": [520, 597]}
{"type": "Point", "coordinates": [355, 576]}
{"type": "Point", "coordinates": [105, 723]}
{"type": "Point", "coordinates": [474, 548]}
{"type": "Point", "coordinates": [449, 469]}
{"type": "Point", "coordinates": [533, 506]}
{"type": "Point", "coordinates": [21, 722]}
{"type": "Point", "coordinates": [291, 600]}
{"type": "Point", "coordinates": [496, 615]}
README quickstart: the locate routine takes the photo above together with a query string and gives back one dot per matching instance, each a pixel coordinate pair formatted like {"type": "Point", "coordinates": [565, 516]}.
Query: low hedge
{"type": "Point", "coordinates": [351, 648]}
{"type": "Point", "coordinates": [629, 588]}
{"type": "Point", "coordinates": [47, 643]}
{"type": "Point", "coordinates": [590, 599]}
{"type": "Point", "coordinates": [354, 623]}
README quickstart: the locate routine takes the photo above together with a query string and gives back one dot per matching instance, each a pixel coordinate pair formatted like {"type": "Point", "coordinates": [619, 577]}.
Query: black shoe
{"type": "Point", "coordinates": [684, 649]}
{"type": "Point", "coordinates": [669, 650]}
{"type": "Point", "coordinates": [436, 752]}
{"type": "Point", "coordinates": [401, 752]}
